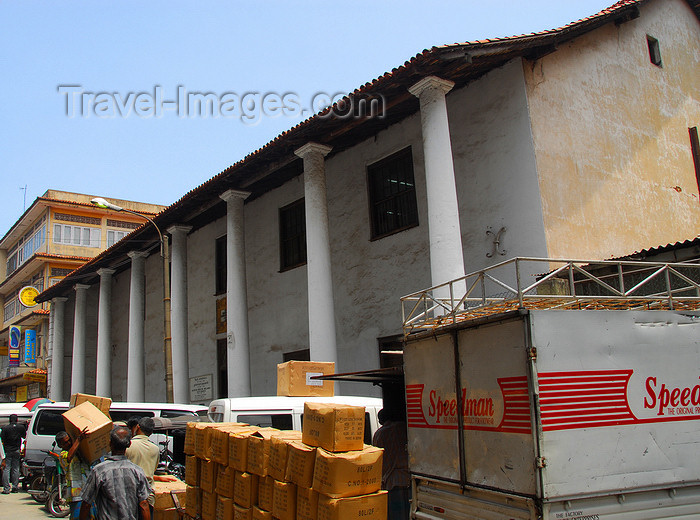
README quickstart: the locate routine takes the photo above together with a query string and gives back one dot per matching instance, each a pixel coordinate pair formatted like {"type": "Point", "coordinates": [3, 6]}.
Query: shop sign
{"type": "Point", "coordinates": [15, 336]}
{"type": "Point", "coordinates": [27, 296]}
{"type": "Point", "coordinates": [30, 346]}
{"type": "Point", "coordinates": [21, 394]}
{"type": "Point", "coordinates": [34, 390]}
{"type": "Point", "coordinates": [31, 376]}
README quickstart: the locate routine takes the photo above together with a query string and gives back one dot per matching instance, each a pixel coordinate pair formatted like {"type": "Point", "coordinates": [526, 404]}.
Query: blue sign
{"type": "Point", "coordinates": [30, 346]}
{"type": "Point", "coordinates": [13, 350]}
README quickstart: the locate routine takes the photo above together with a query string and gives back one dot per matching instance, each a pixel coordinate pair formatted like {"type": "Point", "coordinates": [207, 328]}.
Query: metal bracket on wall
{"type": "Point", "coordinates": [496, 241]}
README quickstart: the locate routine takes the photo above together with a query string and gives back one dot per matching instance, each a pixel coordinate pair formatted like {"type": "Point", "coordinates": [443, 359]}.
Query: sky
{"type": "Point", "coordinates": [93, 92]}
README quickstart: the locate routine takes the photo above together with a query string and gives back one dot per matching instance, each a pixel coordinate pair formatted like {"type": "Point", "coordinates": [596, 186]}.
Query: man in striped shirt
{"type": "Point", "coordinates": [117, 486]}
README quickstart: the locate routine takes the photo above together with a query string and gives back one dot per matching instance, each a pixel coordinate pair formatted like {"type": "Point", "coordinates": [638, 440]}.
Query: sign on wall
{"type": "Point", "coordinates": [21, 395]}
{"type": "Point", "coordinates": [221, 316]}
{"type": "Point", "coordinates": [27, 296]}
{"type": "Point", "coordinates": [13, 352]}
{"type": "Point", "coordinates": [30, 346]}
{"type": "Point", "coordinates": [201, 388]}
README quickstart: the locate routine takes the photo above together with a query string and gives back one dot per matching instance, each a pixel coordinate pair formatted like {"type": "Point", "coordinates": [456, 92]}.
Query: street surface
{"type": "Point", "coordinates": [22, 505]}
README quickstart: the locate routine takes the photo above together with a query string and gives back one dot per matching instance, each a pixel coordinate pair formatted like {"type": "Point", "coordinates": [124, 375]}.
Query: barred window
{"type": "Point", "coordinates": [122, 224]}
{"type": "Point", "coordinates": [292, 235]}
{"type": "Point", "coordinates": [60, 271]}
{"type": "Point", "coordinates": [77, 218]}
{"type": "Point", "coordinates": [392, 194]}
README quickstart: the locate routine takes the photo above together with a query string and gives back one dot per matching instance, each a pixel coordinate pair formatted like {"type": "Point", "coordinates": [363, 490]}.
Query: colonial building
{"type": "Point", "coordinates": [59, 232]}
{"type": "Point", "coordinates": [579, 142]}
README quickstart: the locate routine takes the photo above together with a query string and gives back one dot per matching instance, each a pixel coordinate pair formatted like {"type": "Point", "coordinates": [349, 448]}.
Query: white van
{"type": "Point", "coordinates": [286, 413]}
{"type": "Point", "coordinates": [48, 421]}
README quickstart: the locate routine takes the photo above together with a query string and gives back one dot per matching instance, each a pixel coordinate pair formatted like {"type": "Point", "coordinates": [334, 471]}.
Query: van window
{"type": "Point", "coordinates": [49, 422]}
{"type": "Point", "coordinates": [125, 415]}
{"type": "Point", "coordinates": [282, 421]}
{"type": "Point", "coordinates": [168, 414]}
{"type": "Point", "coordinates": [368, 428]}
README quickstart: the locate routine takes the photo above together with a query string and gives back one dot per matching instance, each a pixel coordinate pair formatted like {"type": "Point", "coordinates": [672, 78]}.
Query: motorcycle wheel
{"type": "Point", "coordinates": [37, 489]}
{"type": "Point", "coordinates": [58, 507]}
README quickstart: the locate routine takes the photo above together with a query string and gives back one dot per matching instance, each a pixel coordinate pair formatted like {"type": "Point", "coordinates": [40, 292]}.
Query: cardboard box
{"type": "Point", "coordinates": [238, 448]}
{"type": "Point", "coordinates": [190, 435]}
{"type": "Point", "coordinates": [294, 378]}
{"type": "Point", "coordinates": [307, 504]}
{"type": "Point", "coordinates": [279, 451]}
{"type": "Point", "coordinates": [348, 474]}
{"type": "Point", "coordinates": [192, 470]}
{"type": "Point", "coordinates": [365, 507]}
{"type": "Point", "coordinates": [261, 514]}
{"type": "Point", "coordinates": [300, 464]}
{"type": "Point", "coordinates": [202, 440]}
{"type": "Point", "coordinates": [284, 500]}
{"type": "Point", "coordinates": [334, 427]}
{"type": "Point", "coordinates": [242, 513]}
{"type": "Point", "coordinates": [166, 514]}
{"type": "Point", "coordinates": [224, 508]}
{"type": "Point", "coordinates": [259, 451]}
{"type": "Point", "coordinates": [101, 403]}
{"type": "Point", "coordinates": [225, 482]}
{"type": "Point", "coordinates": [162, 493]}
{"type": "Point", "coordinates": [218, 440]}
{"type": "Point", "coordinates": [193, 498]}
{"type": "Point", "coordinates": [87, 415]}
{"type": "Point", "coordinates": [245, 491]}
{"type": "Point", "coordinates": [208, 473]}
{"type": "Point", "coordinates": [208, 506]}
{"type": "Point", "coordinates": [266, 487]}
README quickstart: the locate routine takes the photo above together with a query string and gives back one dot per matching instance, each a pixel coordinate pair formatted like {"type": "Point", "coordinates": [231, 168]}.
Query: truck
{"type": "Point", "coordinates": [555, 389]}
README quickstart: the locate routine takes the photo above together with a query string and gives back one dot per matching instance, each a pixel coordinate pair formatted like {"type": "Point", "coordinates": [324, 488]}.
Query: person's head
{"type": "Point", "coordinates": [119, 440]}
{"type": "Point", "coordinates": [146, 426]}
{"type": "Point", "coordinates": [63, 440]}
{"type": "Point", "coordinates": [383, 415]}
{"type": "Point", "coordinates": [132, 423]}
{"type": "Point", "coordinates": [13, 418]}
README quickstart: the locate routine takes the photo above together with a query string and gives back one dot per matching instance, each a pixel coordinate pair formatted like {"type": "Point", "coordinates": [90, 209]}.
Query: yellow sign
{"type": "Point", "coordinates": [27, 295]}
{"type": "Point", "coordinates": [4, 350]}
{"type": "Point", "coordinates": [21, 394]}
{"type": "Point", "coordinates": [29, 376]}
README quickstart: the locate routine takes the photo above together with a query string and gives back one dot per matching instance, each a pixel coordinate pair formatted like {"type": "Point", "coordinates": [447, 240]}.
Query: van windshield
{"type": "Point", "coordinates": [280, 421]}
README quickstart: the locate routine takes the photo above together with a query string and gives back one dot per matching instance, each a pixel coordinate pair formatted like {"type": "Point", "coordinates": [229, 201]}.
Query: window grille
{"type": "Point", "coordinates": [66, 217]}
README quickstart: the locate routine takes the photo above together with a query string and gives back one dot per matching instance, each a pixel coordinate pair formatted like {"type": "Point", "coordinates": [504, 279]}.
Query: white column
{"type": "Point", "coordinates": [77, 380]}
{"type": "Point", "coordinates": [322, 342]}
{"type": "Point", "coordinates": [237, 343]}
{"type": "Point", "coordinates": [136, 360]}
{"type": "Point", "coordinates": [103, 377]}
{"type": "Point", "coordinates": [178, 313]}
{"type": "Point", "coordinates": [57, 348]}
{"type": "Point", "coordinates": [446, 257]}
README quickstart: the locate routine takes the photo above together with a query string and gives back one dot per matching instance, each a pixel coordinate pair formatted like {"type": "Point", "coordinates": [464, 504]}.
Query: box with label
{"type": "Point", "coordinates": [192, 473]}
{"type": "Point", "coordinates": [218, 439]}
{"type": "Point", "coordinates": [101, 403]}
{"type": "Point", "coordinates": [294, 378]}
{"type": "Point", "coordinates": [166, 514]}
{"type": "Point", "coordinates": [284, 500]}
{"type": "Point", "coordinates": [261, 514]}
{"type": "Point", "coordinates": [238, 448]}
{"type": "Point", "coordinates": [265, 488]}
{"type": "Point", "coordinates": [208, 473]}
{"type": "Point", "coordinates": [348, 474]}
{"type": "Point", "coordinates": [86, 416]}
{"type": "Point", "coordinates": [242, 513]}
{"type": "Point", "coordinates": [208, 506]}
{"type": "Point", "coordinates": [245, 491]}
{"type": "Point", "coordinates": [300, 464]}
{"type": "Point", "coordinates": [307, 504]}
{"type": "Point", "coordinates": [279, 452]}
{"type": "Point", "coordinates": [163, 498]}
{"type": "Point", "coordinates": [202, 440]}
{"type": "Point", "coordinates": [364, 507]}
{"type": "Point", "coordinates": [225, 482]}
{"type": "Point", "coordinates": [224, 508]}
{"type": "Point", "coordinates": [259, 450]}
{"type": "Point", "coordinates": [334, 427]}
{"type": "Point", "coordinates": [193, 499]}
{"type": "Point", "coordinates": [191, 434]}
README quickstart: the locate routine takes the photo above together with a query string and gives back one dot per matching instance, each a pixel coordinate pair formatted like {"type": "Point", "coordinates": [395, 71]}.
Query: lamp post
{"type": "Point", "coordinates": [165, 254]}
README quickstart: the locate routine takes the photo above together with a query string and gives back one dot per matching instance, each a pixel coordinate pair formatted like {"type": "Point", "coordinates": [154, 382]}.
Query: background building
{"type": "Point", "coordinates": [59, 232]}
{"type": "Point", "coordinates": [579, 142]}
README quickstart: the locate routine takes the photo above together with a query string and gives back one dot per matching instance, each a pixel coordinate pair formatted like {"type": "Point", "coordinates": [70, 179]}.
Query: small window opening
{"type": "Point", "coordinates": [654, 51]}
{"type": "Point", "coordinates": [695, 150]}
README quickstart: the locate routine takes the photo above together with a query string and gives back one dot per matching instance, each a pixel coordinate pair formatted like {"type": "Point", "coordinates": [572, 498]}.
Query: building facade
{"type": "Point", "coordinates": [576, 142]}
{"type": "Point", "coordinates": [58, 233]}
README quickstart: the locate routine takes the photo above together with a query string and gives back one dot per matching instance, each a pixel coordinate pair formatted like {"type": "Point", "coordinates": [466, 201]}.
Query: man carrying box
{"type": "Point", "coordinates": [117, 486]}
{"type": "Point", "coordinates": [76, 469]}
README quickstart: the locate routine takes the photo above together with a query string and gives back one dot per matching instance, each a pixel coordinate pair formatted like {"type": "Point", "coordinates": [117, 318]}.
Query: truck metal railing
{"type": "Point", "coordinates": [545, 283]}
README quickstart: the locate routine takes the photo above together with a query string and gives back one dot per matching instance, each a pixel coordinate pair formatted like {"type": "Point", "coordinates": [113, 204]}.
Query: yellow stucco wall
{"type": "Point", "coordinates": [610, 133]}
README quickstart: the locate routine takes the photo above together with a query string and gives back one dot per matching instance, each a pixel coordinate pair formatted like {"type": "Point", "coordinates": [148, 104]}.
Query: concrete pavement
{"type": "Point", "coordinates": [22, 506]}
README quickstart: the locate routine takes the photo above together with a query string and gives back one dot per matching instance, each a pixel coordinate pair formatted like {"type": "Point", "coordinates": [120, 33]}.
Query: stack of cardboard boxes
{"type": "Point", "coordinates": [241, 472]}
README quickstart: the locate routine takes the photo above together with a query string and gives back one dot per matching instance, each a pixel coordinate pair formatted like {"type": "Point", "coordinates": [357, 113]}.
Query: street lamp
{"type": "Point", "coordinates": [165, 254]}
